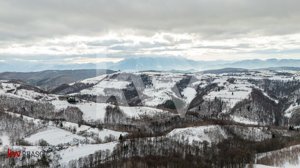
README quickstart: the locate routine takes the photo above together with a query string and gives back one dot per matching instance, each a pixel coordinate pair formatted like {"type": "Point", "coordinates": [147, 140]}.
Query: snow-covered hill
{"type": "Point", "coordinates": [144, 93]}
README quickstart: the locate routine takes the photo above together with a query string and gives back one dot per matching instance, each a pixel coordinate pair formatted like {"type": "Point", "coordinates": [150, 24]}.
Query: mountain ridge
{"type": "Point", "coordinates": [155, 63]}
{"type": "Point", "coordinates": [50, 79]}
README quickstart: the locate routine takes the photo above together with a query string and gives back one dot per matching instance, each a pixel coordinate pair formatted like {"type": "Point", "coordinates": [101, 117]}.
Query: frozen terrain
{"type": "Point", "coordinates": [209, 134]}
{"type": "Point", "coordinates": [55, 136]}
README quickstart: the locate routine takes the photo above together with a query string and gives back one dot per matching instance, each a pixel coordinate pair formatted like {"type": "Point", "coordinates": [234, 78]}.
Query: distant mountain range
{"type": "Point", "coordinates": [50, 79]}
{"type": "Point", "coordinates": [179, 63]}
{"type": "Point", "coordinates": [154, 63]}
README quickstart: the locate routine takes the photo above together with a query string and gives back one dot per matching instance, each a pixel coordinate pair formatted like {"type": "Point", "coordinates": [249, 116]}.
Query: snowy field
{"type": "Point", "coordinates": [91, 111]}
{"type": "Point", "coordinates": [96, 111]}
{"type": "Point", "coordinates": [76, 152]}
{"type": "Point", "coordinates": [11, 89]}
{"type": "Point", "coordinates": [53, 131]}
{"type": "Point", "coordinates": [55, 136]}
{"type": "Point", "coordinates": [104, 84]}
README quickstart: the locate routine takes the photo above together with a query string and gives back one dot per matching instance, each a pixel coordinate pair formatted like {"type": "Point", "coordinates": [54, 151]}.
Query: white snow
{"type": "Point", "coordinates": [265, 94]}
{"type": "Point", "coordinates": [96, 111]}
{"type": "Point", "coordinates": [288, 157]}
{"type": "Point", "coordinates": [4, 139]}
{"type": "Point", "coordinates": [99, 89]}
{"type": "Point", "coordinates": [54, 136]}
{"type": "Point", "coordinates": [101, 134]}
{"type": "Point", "coordinates": [112, 84]}
{"type": "Point", "coordinates": [60, 104]}
{"type": "Point", "coordinates": [23, 93]}
{"type": "Point", "coordinates": [189, 93]}
{"type": "Point", "coordinates": [91, 111]}
{"type": "Point", "coordinates": [136, 112]}
{"type": "Point", "coordinates": [288, 113]}
{"type": "Point", "coordinates": [37, 122]}
{"type": "Point", "coordinates": [232, 92]}
{"type": "Point", "coordinates": [211, 134]}
{"type": "Point", "coordinates": [29, 94]}
{"type": "Point", "coordinates": [76, 152]}
{"type": "Point", "coordinates": [243, 120]}
{"type": "Point", "coordinates": [161, 90]}
{"type": "Point", "coordinates": [260, 166]}
{"type": "Point", "coordinates": [9, 86]}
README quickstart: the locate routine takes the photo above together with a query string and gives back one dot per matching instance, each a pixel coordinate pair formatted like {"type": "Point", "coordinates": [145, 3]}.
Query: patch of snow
{"type": "Point", "coordinates": [60, 104]}
{"type": "Point", "coordinates": [26, 118]}
{"type": "Point", "coordinates": [288, 113]}
{"type": "Point", "coordinates": [9, 86]}
{"type": "Point", "coordinates": [54, 136]}
{"type": "Point", "coordinates": [101, 134]}
{"type": "Point", "coordinates": [211, 134]}
{"type": "Point", "coordinates": [288, 157]}
{"type": "Point", "coordinates": [76, 152]}
{"type": "Point", "coordinates": [4, 142]}
{"type": "Point", "coordinates": [136, 112]}
{"type": "Point", "coordinates": [243, 120]}
{"type": "Point", "coordinates": [276, 101]}
{"type": "Point", "coordinates": [29, 94]}
{"type": "Point", "coordinates": [281, 78]}
{"type": "Point", "coordinates": [91, 111]}
{"type": "Point", "coordinates": [161, 90]}
{"type": "Point", "coordinates": [232, 92]}
{"type": "Point", "coordinates": [99, 89]}
{"type": "Point", "coordinates": [11, 90]}
{"type": "Point", "coordinates": [96, 111]}
{"type": "Point", "coordinates": [259, 166]}
{"type": "Point", "coordinates": [189, 94]}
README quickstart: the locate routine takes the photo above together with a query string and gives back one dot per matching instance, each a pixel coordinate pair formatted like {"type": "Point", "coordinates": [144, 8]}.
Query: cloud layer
{"type": "Point", "coordinates": [198, 29]}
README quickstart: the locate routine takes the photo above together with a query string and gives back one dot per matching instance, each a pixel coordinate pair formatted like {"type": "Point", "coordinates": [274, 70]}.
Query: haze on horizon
{"type": "Point", "coordinates": [73, 31]}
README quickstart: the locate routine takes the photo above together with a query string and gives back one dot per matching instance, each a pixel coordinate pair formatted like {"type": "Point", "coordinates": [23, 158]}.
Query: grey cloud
{"type": "Point", "coordinates": [223, 47]}
{"type": "Point", "coordinates": [105, 42]}
{"type": "Point", "coordinates": [139, 46]}
{"type": "Point", "coordinates": [32, 19]}
{"type": "Point", "coordinates": [27, 28]}
{"type": "Point", "coordinates": [49, 58]}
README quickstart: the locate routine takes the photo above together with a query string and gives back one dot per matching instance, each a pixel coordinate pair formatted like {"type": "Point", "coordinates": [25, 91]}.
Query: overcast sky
{"type": "Point", "coordinates": [82, 31]}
